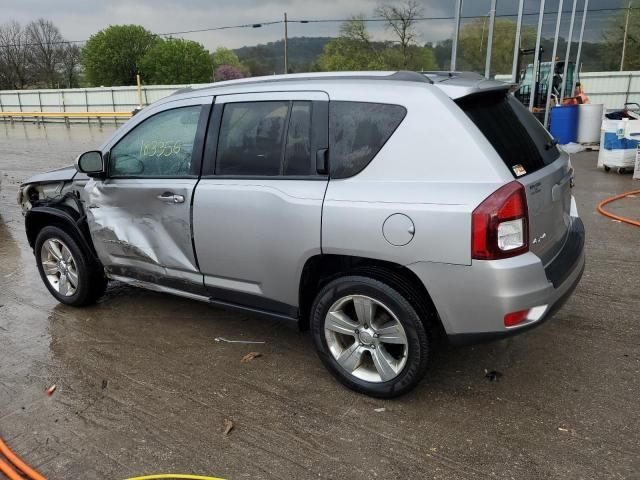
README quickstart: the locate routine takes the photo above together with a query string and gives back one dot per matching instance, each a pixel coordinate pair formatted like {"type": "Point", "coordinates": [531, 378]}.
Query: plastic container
{"type": "Point", "coordinates": [589, 122]}
{"type": "Point", "coordinates": [564, 123]}
{"type": "Point", "coordinates": [615, 152]}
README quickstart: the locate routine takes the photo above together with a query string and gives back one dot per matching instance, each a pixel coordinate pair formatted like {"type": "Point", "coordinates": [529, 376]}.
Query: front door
{"type": "Point", "coordinates": [257, 209]}
{"type": "Point", "coordinates": [139, 217]}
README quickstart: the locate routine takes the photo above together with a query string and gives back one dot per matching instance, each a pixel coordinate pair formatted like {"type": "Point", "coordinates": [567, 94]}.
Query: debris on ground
{"type": "Point", "coordinates": [227, 426]}
{"type": "Point", "coordinates": [492, 375]}
{"type": "Point", "coordinates": [104, 384]}
{"type": "Point", "coordinates": [567, 430]}
{"type": "Point", "coordinates": [250, 356]}
{"type": "Point", "coordinates": [51, 389]}
{"type": "Point", "coordinates": [222, 339]}
{"type": "Point", "coordinates": [379, 409]}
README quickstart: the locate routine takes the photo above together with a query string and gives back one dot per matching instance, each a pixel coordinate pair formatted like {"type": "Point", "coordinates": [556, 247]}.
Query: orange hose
{"type": "Point", "coordinates": [8, 471]}
{"type": "Point", "coordinates": [616, 217]}
{"type": "Point", "coordinates": [23, 467]}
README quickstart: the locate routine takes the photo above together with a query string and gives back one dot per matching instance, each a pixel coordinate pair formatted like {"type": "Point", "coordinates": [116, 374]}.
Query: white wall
{"type": "Point", "coordinates": [613, 89]}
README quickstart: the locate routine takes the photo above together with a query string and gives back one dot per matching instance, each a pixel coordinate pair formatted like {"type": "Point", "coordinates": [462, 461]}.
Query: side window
{"type": "Point", "coordinates": [251, 138]}
{"type": "Point", "coordinates": [265, 138]}
{"type": "Point", "coordinates": [297, 160]}
{"type": "Point", "coordinates": [160, 146]}
{"type": "Point", "coordinates": [357, 132]}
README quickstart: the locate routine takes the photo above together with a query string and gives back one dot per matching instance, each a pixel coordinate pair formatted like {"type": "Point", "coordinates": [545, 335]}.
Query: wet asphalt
{"type": "Point", "coordinates": [143, 387]}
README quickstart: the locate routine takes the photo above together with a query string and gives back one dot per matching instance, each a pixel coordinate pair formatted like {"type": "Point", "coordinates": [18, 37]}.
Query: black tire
{"type": "Point", "coordinates": [606, 169]}
{"type": "Point", "coordinates": [91, 282]}
{"type": "Point", "coordinates": [418, 342]}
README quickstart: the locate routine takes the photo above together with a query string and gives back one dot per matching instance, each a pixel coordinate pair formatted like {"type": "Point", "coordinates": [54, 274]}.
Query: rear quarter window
{"type": "Point", "coordinates": [357, 132]}
{"type": "Point", "coordinates": [517, 136]}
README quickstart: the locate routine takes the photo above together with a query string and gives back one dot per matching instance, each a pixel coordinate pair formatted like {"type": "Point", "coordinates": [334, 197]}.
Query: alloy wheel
{"type": "Point", "coordinates": [59, 266]}
{"type": "Point", "coordinates": [366, 338]}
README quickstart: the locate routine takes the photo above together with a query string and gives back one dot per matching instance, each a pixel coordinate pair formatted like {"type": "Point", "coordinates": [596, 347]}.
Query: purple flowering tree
{"type": "Point", "coordinates": [227, 72]}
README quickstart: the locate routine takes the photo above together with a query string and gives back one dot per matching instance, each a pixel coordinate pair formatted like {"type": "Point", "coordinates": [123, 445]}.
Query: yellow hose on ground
{"type": "Point", "coordinates": [616, 217]}
{"type": "Point", "coordinates": [175, 476]}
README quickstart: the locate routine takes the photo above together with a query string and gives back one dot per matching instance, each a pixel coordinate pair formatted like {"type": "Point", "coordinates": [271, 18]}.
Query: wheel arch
{"type": "Point", "coordinates": [323, 268]}
{"type": "Point", "coordinates": [66, 218]}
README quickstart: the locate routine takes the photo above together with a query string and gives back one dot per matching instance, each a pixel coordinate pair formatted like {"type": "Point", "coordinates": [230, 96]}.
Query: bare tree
{"type": "Point", "coordinates": [14, 55]}
{"type": "Point", "coordinates": [46, 50]}
{"type": "Point", "coordinates": [401, 20]}
{"type": "Point", "coordinates": [70, 64]}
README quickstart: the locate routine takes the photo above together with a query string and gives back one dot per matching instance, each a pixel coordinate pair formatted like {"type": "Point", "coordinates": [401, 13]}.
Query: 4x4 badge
{"type": "Point", "coordinates": [539, 239]}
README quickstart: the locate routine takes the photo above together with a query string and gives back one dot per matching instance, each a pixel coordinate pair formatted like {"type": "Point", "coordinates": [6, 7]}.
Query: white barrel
{"type": "Point", "coordinates": [589, 121]}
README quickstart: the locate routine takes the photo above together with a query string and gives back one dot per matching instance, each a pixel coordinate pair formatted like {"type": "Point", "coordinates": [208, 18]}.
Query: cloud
{"type": "Point", "coordinates": [78, 19]}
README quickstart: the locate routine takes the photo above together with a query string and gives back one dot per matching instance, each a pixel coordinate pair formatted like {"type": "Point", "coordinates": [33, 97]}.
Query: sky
{"type": "Point", "coordinates": [79, 19]}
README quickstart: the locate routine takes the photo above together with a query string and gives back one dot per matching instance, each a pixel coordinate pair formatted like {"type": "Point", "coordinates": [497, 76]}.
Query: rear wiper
{"type": "Point", "coordinates": [550, 144]}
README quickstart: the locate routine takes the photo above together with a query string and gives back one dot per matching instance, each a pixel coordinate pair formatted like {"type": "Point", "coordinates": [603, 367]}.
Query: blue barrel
{"type": "Point", "coordinates": [564, 123]}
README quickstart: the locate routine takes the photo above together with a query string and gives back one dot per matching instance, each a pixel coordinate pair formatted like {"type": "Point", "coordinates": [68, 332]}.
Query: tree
{"type": "Point", "coordinates": [613, 38]}
{"type": "Point", "coordinates": [70, 65]}
{"type": "Point", "coordinates": [355, 50]}
{"type": "Point", "coordinates": [401, 20]}
{"type": "Point", "coordinates": [472, 44]}
{"type": "Point", "coordinates": [226, 56]}
{"type": "Point", "coordinates": [14, 56]}
{"type": "Point", "coordinates": [113, 55]}
{"type": "Point", "coordinates": [175, 60]}
{"type": "Point", "coordinates": [352, 50]}
{"type": "Point", "coordinates": [45, 51]}
{"type": "Point", "coordinates": [227, 72]}
{"type": "Point", "coordinates": [413, 58]}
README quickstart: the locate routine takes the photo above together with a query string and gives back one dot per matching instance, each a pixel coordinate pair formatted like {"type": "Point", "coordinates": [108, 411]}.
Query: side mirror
{"type": "Point", "coordinates": [90, 163]}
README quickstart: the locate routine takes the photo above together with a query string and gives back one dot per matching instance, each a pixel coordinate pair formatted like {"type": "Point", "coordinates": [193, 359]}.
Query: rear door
{"type": "Point", "coordinates": [529, 152]}
{"type": "Point", "coordinates": [257, 209]}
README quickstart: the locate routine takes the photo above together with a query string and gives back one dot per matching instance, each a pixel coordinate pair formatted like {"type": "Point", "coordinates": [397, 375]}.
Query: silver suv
{"type": "Point", "coordinates": [378, 209]}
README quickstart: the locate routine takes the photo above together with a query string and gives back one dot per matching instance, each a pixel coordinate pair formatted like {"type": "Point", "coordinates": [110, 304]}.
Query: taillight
{"type": "Point", "coordinates": [499, 224]}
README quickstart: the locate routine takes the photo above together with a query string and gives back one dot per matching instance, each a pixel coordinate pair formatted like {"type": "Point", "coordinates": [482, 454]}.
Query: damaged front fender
{"type": "Point", "coordinates": [41, 216]}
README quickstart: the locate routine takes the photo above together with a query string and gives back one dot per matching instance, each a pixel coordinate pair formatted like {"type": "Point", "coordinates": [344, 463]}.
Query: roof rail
{"type": "Point", "coordinates": [452, 74]}
{"type": "Point", "coordinates": [401, 75]}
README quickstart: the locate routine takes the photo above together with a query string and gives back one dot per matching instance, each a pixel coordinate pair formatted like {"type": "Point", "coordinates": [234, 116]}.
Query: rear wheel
{"type": "Point", "coordinates": [369, 336]}
{"type": "Point", "coordinates": [69, 274]}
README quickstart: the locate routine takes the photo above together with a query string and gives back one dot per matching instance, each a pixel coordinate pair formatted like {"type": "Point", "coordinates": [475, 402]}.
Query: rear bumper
{"type": "Point", "coordinates": [473, 300]}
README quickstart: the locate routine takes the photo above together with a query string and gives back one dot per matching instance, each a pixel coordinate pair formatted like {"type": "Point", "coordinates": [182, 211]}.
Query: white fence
{"type": "Point", "coordinates": [613, 89]}
{"type": "Point", "coordinates": [100, 99]}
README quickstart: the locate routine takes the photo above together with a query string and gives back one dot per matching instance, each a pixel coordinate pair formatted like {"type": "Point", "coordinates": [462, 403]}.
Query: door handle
{"type": "Point", "coordinates": [169, 197]}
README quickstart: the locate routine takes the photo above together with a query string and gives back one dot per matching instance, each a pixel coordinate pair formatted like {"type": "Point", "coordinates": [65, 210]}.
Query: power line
{"type": "Point", "coordinates": [463, 17]}
{"type": "Point", "coordinates": [305, 21]}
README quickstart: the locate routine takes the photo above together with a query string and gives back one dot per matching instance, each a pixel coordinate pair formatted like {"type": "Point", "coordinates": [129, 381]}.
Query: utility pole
{"type": "Point", "coordinates": [286, 53]}
{"type": "Point", "coordinates": [584, 20]}
{"type": "Point", "coordinates": [456, 34]}
{"type": "Point", "coordinates": [624, 38]}
{"type": "Point", "coordinates": [568, 52]}
{"type": "Point", "coordinates": [492, 20]}
{"type": "Point", "coordinates": [536, 58]}
{"type": "Point", "coordinates": [516, 43]}
{"type": "Point", "coordinates": [552, 69]}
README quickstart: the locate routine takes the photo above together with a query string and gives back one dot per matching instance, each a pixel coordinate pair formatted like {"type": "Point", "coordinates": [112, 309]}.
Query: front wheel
{"type": "Point", "coordinates": [67, 271]}
{"type": "Point", "coordinates": [369, 336]}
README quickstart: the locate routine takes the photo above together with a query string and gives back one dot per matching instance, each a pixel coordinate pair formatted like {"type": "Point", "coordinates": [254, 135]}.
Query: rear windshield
{"type": "Point", "coordinates": [519, 138]}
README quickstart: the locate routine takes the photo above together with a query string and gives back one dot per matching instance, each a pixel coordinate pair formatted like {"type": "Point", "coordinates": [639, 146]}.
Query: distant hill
{"type": "Point", "coordinates": [267, 58]}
